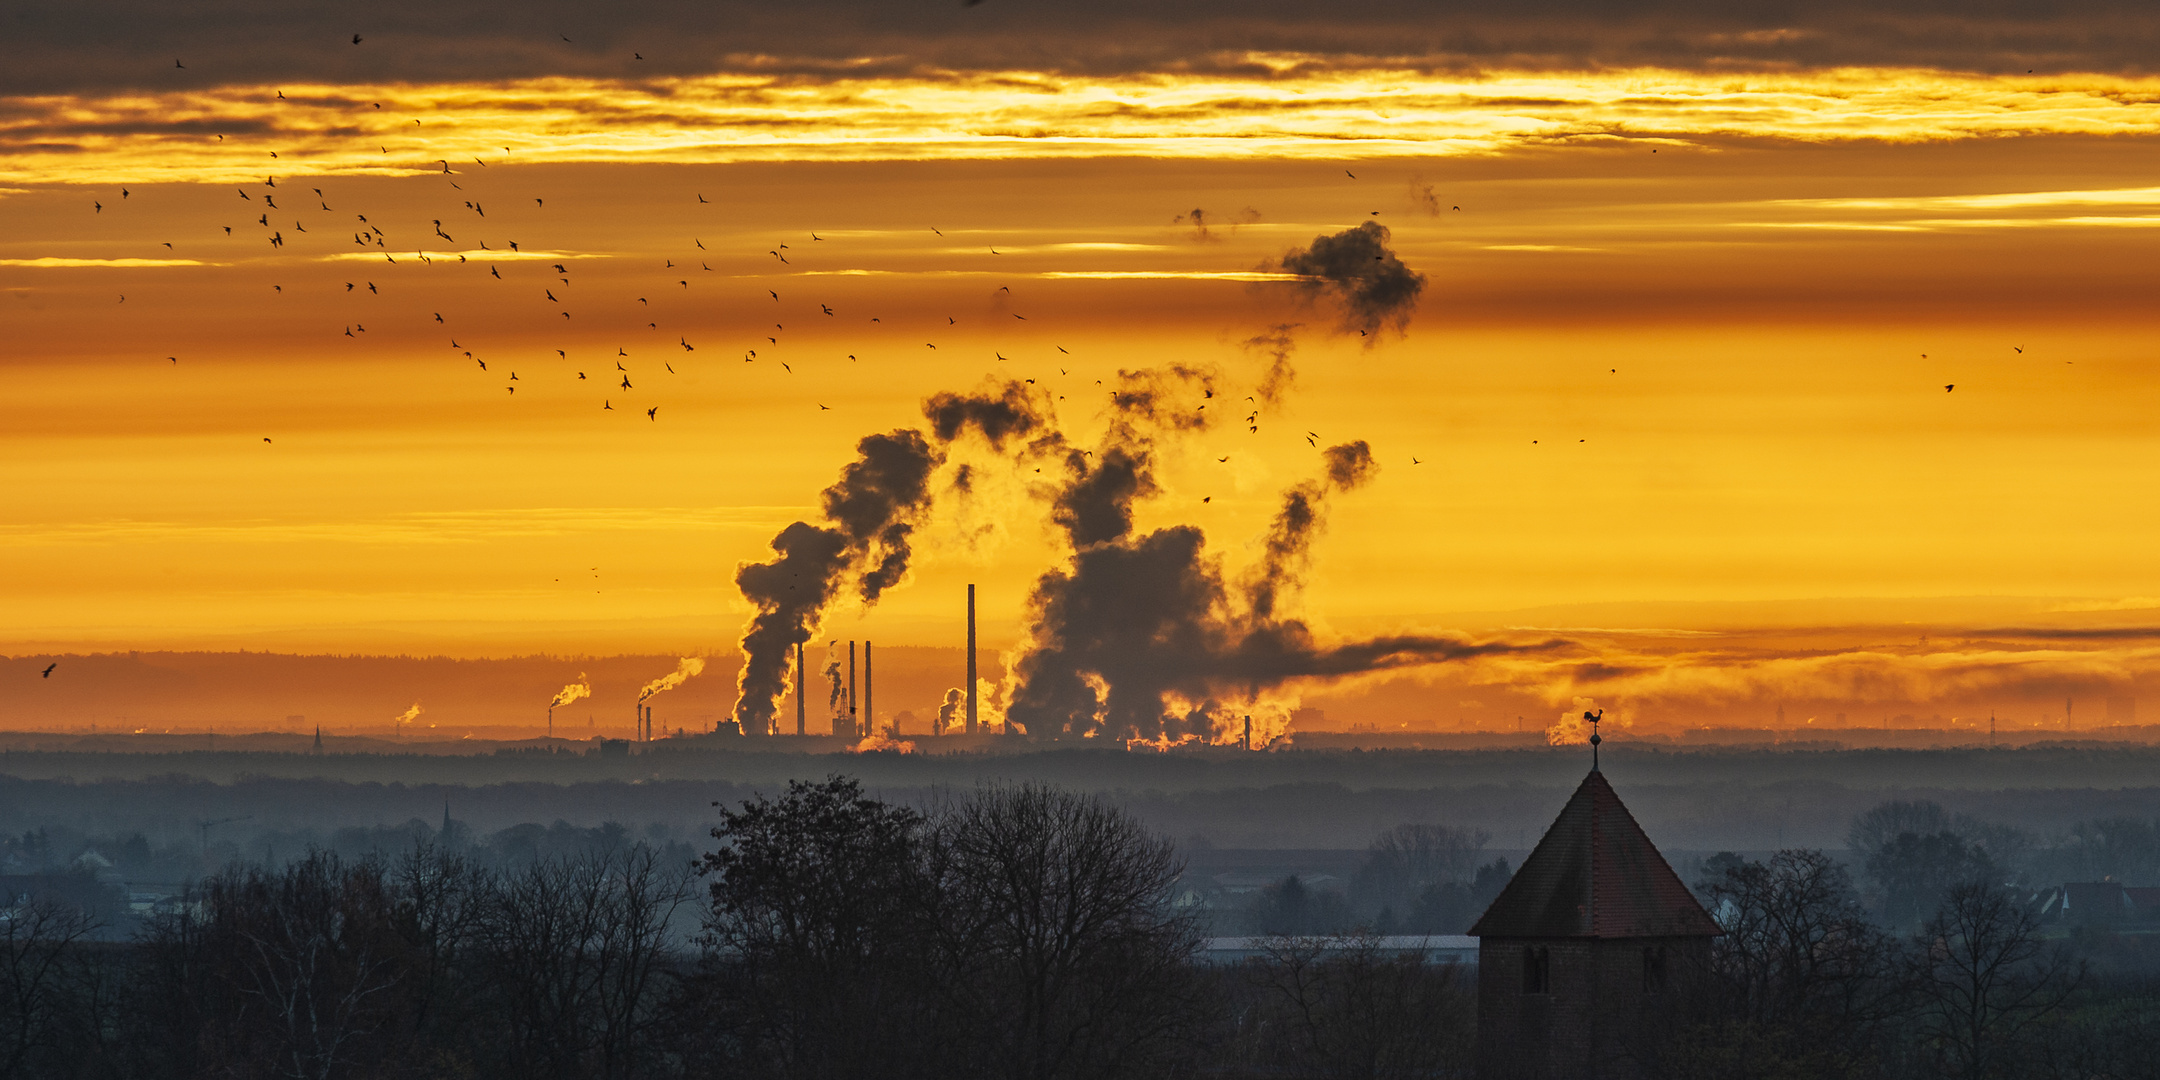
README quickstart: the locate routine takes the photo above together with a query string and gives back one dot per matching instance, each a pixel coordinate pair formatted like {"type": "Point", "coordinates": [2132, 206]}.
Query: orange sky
{"type": "Point", "coordinates": [1685, 340]}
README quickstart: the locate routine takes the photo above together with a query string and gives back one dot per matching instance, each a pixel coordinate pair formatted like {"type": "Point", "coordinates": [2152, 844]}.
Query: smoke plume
{"type": "Point", "coordinates": [870, 517]}
{"type": "Point", "coordinates": [684, 669]}
{"type": "Point", "coordinates": [832, 676]}
{"type": "Point", "coordinates": [1277, 344]}
{"type": "Point", "coordinates": [948, 713]}
{"type": "Point", "coordinates": [1297, 524]}
{"type": "Point", "coordinates": [1140, 638]}
{"type": "Point", "coordinates": [1204, 223]}
{"type": "Point", "coordinates": [876, 744]}
{"type": "Point", "coordinates": [1424, 196]}
{"type": "Point", "coordinates": [409, 715]}
{"type": "Point", "coordinates": [572, 692]}
{"type": "Point", "coordinates": [1356, 270]}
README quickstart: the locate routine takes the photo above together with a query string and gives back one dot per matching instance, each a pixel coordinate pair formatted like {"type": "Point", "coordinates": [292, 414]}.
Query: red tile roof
{"type": "Point", "coordinates": [1595, 875]}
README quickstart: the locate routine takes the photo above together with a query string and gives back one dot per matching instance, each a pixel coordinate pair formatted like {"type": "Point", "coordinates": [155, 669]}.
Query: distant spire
{"type": "Point", "coordinates": [318, 738]}
{"type": "Point", "coordinates": [1593, 718]}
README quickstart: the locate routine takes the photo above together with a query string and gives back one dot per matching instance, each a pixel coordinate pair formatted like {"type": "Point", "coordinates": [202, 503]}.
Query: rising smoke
{"type": "Point", "coordinates": [871, 513]}
{"type": "Point", "coordinates": [1141, 637]}
{"type": "Point", "coordinates": [1205, 223]}
{"type": "Point", "coordinates": [1277, 345]}
{"type": "Point", "coordinates": [1358, 272]}
{"type": "Point", "coordinates": [572, 692]}
{"type": "Point", "coordinates": [684, 669]}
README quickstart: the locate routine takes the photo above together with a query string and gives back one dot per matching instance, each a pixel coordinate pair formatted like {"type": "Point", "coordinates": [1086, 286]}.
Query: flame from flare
{"type": "Point", "coordinates": [684, 668]}
{"type": "Point", "coordinates": [880, 744]}
{"type": "Point", "coordinates": [572, 692]}
{"type": "Point", "coordinates": [408, 715]}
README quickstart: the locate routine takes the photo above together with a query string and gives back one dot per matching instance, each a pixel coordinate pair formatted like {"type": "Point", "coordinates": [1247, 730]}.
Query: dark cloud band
{"type": "Point", "coordinates": [56, 47]}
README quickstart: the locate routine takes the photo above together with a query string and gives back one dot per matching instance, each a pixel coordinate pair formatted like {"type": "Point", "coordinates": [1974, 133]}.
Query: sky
{"type": "Point", "coordinates": [1757, 356]}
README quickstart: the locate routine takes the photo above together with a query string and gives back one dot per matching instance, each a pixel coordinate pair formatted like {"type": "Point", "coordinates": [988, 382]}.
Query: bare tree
{"type": "Point", "coordinates": [1803, 982]}
{"type": "Point", "coordinates": [1345, 1008]}
{"type": "Point", "coordinates": [570, 951]}
{"type": "Point", "coordinates": [440, 907]}
{"type": "Point", "coordinates": [1407, 859]}
{"type": "Point", "coordinates": [817, 936]}
{"type": "Point", "coordinates": [313, 950]}
{"type": "Point", "coordinates": [1985, 977]}
{"type": "Point", "coordinates": [1055, 925]}
{"type": "Point", "coordinates": [40, 965]}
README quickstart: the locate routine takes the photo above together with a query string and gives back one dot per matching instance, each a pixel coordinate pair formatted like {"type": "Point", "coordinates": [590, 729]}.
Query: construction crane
{"type": "Point", "coordinates": [206, 826]}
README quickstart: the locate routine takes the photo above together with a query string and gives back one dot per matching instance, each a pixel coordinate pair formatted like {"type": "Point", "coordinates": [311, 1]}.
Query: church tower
{"type": "Point", "coordinates": [1592, 951]}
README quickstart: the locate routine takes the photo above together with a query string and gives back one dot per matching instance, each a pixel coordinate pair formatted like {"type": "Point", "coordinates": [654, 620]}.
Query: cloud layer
{"type": "Point", "coordinates": [139, 44]}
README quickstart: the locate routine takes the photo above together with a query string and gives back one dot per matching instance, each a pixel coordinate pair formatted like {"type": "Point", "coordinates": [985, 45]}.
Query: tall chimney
{"type": "Point", "coordinates": [869, 715]}
{"type": "Point", "coordinates": [853, 724]}
{"type": "Point", "coordinates": [799, 727]}
{"type": "Point", "coordinates": [1248, 733]}
{"type": "Point", "coordinates": [971, 662]}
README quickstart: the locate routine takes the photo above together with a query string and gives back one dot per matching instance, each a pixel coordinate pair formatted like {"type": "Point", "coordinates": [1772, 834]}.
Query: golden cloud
{"type": "Point", "coordinates": [1318, 115]}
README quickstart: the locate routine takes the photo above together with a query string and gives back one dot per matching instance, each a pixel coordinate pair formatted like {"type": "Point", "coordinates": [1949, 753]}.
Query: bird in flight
{"type": "Point", "coordinates": [653, 413]}
{"type": "Point", "coordinates": [356, 39]}
{"type": "Point", "coordinates": [47, 673]}
{"type": "Point", "coordinates": [827, 408]}
{"type": "Point", "coordinates": [1949, 387]}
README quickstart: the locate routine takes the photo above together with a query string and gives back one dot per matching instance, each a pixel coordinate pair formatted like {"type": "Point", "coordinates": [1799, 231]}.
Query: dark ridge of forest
{"type": "Point", "coordinates": [2096, 765]}
{"type": "Point", "coordinates": [1693, 800]}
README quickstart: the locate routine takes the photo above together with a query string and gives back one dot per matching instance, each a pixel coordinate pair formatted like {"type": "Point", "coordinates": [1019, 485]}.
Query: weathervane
{"type": "Point", "coordinates": [1593, 718]}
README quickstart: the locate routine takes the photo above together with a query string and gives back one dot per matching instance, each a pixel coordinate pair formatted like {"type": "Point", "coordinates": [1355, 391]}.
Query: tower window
{"type": "Point", "coordinates": [1536, 970]}
{"type": "Point", "coordinates": [1653, 969]}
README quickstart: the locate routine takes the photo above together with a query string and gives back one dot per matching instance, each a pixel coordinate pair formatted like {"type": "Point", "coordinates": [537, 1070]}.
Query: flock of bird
{"type": "Point", "coordinates": [464, 211]}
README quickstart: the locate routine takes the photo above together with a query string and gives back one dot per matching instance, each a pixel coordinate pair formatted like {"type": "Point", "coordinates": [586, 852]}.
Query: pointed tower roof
{"type": "Point", "coordinates": [1595, 875]}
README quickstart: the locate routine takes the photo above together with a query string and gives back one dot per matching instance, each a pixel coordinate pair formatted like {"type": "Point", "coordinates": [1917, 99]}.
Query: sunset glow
{"type": "Point", "coordinates": [1836, 381]}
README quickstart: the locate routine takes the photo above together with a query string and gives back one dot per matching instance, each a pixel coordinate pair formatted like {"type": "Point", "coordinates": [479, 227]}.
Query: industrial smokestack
{"type": "Point", "coordinates": [800, 674]}
{"type": "Point", "coordinates": [854, 726]}
{"type": "Point", "coordinates": [1248, 732]}
{"type": "Point", "coordinates": [869, 715]}
{"type": "Point", "coordinates": [971, 662]}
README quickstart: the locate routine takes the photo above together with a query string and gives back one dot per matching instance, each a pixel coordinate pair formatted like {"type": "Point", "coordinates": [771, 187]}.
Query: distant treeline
{"type": "Point", "coordinates": [1015, 932]}
{"type": "Point", "coordinates": [1690, 801]}
{"type": "Point", "coordinates": [1024, 932]}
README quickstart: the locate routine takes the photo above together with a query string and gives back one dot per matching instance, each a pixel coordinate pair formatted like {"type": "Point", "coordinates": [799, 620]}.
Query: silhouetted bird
{"type": "Point", "coordinates": [1950, 387]}
{"type": "Point", "coordinates": [47, 673]}
{"type": "Point", "coordinates": [653, 413]}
